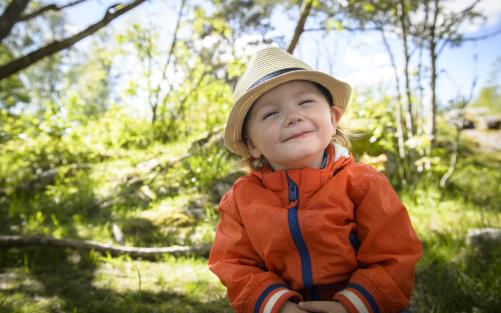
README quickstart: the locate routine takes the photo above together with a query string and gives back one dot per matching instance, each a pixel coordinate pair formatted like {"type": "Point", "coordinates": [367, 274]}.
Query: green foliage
{"type": "Point", "coordinates": [490, 98]}
{"type": "Point", "coordinates": [470, 273]}
{"type": "Point", "coordinates": [38, 146]}
{"type": "Point", "coordinates": [208, 165]}
{"type": "Point", "coordinates": [476, 181]}
{"type": "Point", "coordinates": [89, 83]}
{"type": "Point", "coordinates": [373, 120]}
{"type": "Point", "coordinates": [75, 162]}
{"type": "Point", "coordinates": [87, 282]}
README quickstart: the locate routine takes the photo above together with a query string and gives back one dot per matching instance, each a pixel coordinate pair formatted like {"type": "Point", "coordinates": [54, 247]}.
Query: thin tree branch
{"type": "Point", "coordinates": [167, 63]}
{"type": "Point", "coordinates": [483, 37]}
{"type": "Point", "coordinates": [351, 29]}
{"type": "Point", "coordinates": [461, 16]}
{"type": "Point", "coordinates": [464, 39]}
{"type": "Point", "coordinates": [10, 16]}
{"type": "Point", "coordinates": [305, 11]}
{"type": "Point", "coordinates": [403, 18]}
{"type": "Point", "coordinates": [56, 46]}
{"type": "Point", "coordinates": [454, 19]}
{"type": "Point", "coordinates": [49, 7]}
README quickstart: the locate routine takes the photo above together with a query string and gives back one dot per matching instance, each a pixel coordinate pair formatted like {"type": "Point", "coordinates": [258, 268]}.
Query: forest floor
{"type": "Point", "coordinates": [452, 275]}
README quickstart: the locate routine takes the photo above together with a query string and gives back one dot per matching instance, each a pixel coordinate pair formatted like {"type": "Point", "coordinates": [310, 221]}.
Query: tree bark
{"type": "Point", "coordinates": [398, 111]}
{"type": "Point", "coordinates": [12, 241]}
{"type": "Point", "coordinates": [56, 46]}
{"type": "Point", "coordinates": [433, 81]}
{"type": "Point", "coordinates": [305, 11]}
{"type": "Point", "coordinates": [408, 108]}
{"type": "Point", "coordinates": [10, 16]}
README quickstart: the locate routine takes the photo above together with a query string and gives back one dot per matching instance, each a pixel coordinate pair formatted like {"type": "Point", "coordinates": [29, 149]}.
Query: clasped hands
{"type": "Point", "coordinates": [313, 306]}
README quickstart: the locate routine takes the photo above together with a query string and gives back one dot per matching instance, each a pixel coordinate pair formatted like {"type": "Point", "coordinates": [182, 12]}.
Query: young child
{"type": "Point", "coordinates": [308, 229]}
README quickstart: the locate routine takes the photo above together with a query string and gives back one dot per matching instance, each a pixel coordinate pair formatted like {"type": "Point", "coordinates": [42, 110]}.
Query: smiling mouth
{"type": "Point", "coordinates": [298, 135]}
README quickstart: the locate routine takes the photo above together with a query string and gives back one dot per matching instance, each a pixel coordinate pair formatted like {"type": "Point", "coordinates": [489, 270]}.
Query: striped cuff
{"type": "Point", "coordinates": [273, 298]}
{"type": "Point", "coordinates": [357, 299]}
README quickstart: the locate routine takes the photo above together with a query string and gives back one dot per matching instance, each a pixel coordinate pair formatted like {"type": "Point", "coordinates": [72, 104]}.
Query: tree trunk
{"type": "Point", "coordinates": [305, 11]}
{"type": "Point", "coordinates": [11, 16]}
{"type": "Point", "coordinates": [409, 122]}
{"type": "Point", "coordinates": [398, 107]}
{"type": "Point", "coordinates": [433, 81]}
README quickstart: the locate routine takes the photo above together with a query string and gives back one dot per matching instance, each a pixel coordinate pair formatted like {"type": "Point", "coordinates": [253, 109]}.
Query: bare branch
{"type": "Point", "coordinates": [56, 46]}
{"type": "Point", "coordinates": [49, 7]}
{"type": "Point", "coordinates": [483, 37]}
{"type": "Point", "coordinates": [305, 11]}
{"type": "Point", "coordinates": [454, 20]}
{"type": "Point", "coordinates": [351, 29]}
{"type": "Point", "coordinates": [464, 39]}
{"type": "Point", "coordinates": [169, 57]}
{"type": "Point", "coordinates": [11, 16]}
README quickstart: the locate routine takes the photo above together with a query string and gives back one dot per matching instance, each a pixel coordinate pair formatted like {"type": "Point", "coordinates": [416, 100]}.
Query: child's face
{"type": "Point", "coordinates": [291, 125]}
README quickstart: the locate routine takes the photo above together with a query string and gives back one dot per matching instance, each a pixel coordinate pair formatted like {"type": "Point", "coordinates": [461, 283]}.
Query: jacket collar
{"type": "Point", "coordinates": [307, 179]}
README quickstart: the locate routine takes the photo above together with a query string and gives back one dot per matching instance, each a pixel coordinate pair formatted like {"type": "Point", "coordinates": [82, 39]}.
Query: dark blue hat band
{"type": "Point", "coordinates": [274, 74]}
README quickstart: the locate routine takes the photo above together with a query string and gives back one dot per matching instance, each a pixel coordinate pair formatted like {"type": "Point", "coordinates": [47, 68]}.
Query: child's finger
{"type": "Point", "coordinates": [316, 306]}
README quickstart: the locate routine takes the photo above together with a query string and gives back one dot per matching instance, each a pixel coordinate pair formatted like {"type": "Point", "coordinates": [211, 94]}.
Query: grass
{"type": "Point", "coordinates": [92, 283]}
{"type": "Point", "coordinates": [178, 207]}
{"type": "Point", "coordinates": [453, 276]}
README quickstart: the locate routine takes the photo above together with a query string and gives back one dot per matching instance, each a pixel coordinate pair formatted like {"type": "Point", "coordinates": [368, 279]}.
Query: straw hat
{"type": "Point", "coordinates": [267, 69]}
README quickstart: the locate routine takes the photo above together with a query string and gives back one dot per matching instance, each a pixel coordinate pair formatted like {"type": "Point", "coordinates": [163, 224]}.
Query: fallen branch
{"type": "Point", "coordinates": [13, 241]}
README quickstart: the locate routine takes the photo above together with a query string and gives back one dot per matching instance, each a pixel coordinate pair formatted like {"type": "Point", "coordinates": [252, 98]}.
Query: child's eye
{"type": "Point", "coordinates": [305, 101]}
{"type": "Point", "coordinates": [268, 114]}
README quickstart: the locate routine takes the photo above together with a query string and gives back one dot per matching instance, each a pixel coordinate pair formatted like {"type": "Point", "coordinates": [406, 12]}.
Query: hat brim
{"type": "Point", "coordinates": [233, 140]}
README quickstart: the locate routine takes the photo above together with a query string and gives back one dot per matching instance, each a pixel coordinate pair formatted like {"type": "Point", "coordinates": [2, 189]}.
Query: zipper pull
{"type": "Point", "coordinates": [292, 190]}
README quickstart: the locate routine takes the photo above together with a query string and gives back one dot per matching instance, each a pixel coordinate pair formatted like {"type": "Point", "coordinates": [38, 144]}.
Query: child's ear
{"type": "Point", "coordinates": [256, 154]}
{"type": "Point", "coordinates": [336, 114]}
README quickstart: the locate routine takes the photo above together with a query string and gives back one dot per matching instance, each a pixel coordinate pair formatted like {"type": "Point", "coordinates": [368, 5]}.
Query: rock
{"type": "Point", "coordinates": [118, 235]}
{"type": "Point", "coordinates": [219, 189]}
{"type": "Point", "coordinates": [479, 236]}
{"type": "Point", "coordinates": [196, 208]}
{"type": "Point", "coordinates": [146, 194]}
{"type": "Point", "coordinates": [458, 118]}
{"type": "Point", "coordinates": [148, 166]}
{"type": "Point", "coordinates": [493, 122]}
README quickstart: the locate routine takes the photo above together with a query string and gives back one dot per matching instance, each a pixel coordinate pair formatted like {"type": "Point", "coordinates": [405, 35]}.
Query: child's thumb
{"type": "Point", "coordinates": [314, 306]}
{"type": "Point", "coordinates": [307, 305]}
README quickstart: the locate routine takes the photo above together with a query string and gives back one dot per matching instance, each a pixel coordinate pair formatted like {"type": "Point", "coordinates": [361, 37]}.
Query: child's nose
{"type": "Point", "coordinates": [293, 117]}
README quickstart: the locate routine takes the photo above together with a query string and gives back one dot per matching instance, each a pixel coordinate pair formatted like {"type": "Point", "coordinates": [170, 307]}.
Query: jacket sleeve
{"type": "Point", "coordinates": [250, 287]}
{"type": "Point", "coordinates": [389, 247]}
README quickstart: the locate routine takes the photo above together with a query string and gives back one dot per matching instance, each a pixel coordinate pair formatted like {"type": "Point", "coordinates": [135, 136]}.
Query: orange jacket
{"type": "Point", "coordinates": [339, 232]}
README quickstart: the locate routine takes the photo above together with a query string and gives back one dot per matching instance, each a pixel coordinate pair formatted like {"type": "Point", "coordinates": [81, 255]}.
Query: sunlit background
{"type": "Point", "coordinates": [112, 161]}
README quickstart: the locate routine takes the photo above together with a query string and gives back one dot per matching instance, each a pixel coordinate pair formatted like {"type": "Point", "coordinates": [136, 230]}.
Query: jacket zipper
{"type": "Point", "coordinates": [306, 272]}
